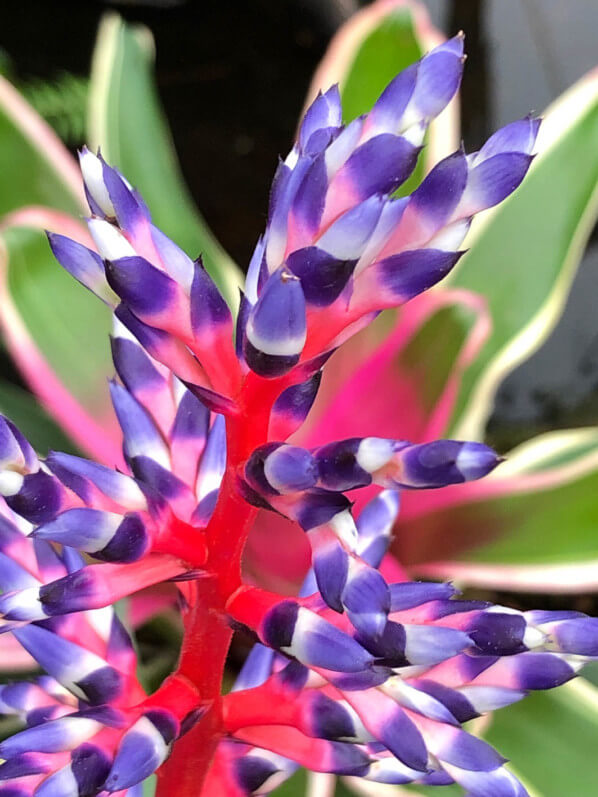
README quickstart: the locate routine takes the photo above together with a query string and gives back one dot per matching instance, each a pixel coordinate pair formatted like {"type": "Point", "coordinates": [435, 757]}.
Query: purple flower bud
{"type": "Point", "coordinates": [208, 308]}
{"type": "Point", "coordinates": [323, 115]}
{"type": "Point", "coordinates": [276, 328]}
{"type": "Point", "coordinates": [105, 535]}
{"type": "Point", "coordinates": [445, 462]}
{"type": "Point", "coordinates": [85, 265]}
{"type": "Point", "coordinates": [290, 469]}
{"type": "Point", "coordinates": [312, 640]}
{"type": "Point", "coordinates": [142, 749]}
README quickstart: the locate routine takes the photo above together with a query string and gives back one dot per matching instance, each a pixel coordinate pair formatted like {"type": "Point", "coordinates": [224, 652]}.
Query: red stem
{"type": "Point", "coordinates": [266, 705]}
{"type": "Point", "coordinates": [207, 634]}
{"type": "Point", "coordinates": [205, 647]}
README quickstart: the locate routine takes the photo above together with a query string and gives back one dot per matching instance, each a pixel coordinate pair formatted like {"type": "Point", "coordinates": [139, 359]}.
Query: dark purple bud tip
{"type": "Point", "coordinates": [578, 636]}
{"type": "Point", "coordinates": [90, 766]}
{"type": "Point", "coordinates": [340, 467]}
{"type": "Point", "coordinates": [101, 686]}
{"type": "Point", "coordinates": [276, 328]}
{"type": "Point", "coordinates": [331, 564]}
{"type": "Point", "coordinates": [165, 723]}
{"type": "Point", "coordinates": [208, 308]}
{"type": "Point", "coordinates": [73, 593]}
{"type": "Point", "coordinates": [367, 601]}
{"type": "Point", "coordinates": [294, 676]}
{"type": "Point", "coordinates": [402, 737]}
{"type": "Point", "coordinates": [143, 287]}
{"type": "Point", "coordinates": [347, 759]}
{"type": "Point", "coordinates": [329, 719]}
{"type": "Point", "coordinates": [22, 765]}
{"type": "Point", "coordinates": [268, 365]}
{"type": "Point", "coordinates": [142, 749]}
{"type": "Point", "coordinates": [252, 772]}
{"type": "Point", "coordinates": [296, 401]}
{"type": "Point", "coordinates": [320, 506]}
{"type": "Point", "coordinates": [323, 276]}
{"type": "Point", "coordinates": [191, 719]}
{"type": "Point", "coordinates": [39, 498]}
{"type": "Point", "coordinates": [105, 536]}
{"type": "Point", "coordinates": [279, 624]}
{"type": "Point", "coordinates": [255, 466]}
{"type": "Point", "coordinates": [445, 462]}
{"type": "Point", "coordinates": [410, 273]}
{"type": "Point", "coordinates": [498, 634]}
{"type": "Point", "coordinates": [37, 716]}
{"type": "Point", "coordinates": [130, 542]}
{"type": "Point", "coordinates": [389, 647]}
{"type": "Point", "coordinates": [541, 671]}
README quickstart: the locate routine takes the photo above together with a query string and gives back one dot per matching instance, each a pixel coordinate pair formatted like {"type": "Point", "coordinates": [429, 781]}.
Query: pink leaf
{"type": "Point", "coordinates": [97, 436]}
{"type": "Point", "coordinates": [42, 138]}
{"type": "Point", "coordinates": [499, 532]}
{"type": "Point", "coordinates": [405, 389]}
{"type": "Point", "coordinates": [558, 578]}
{"type": "Point", "coordinates": [443, 137]}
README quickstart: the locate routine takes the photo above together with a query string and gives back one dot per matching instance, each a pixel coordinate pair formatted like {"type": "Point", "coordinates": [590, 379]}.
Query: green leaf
{"type": "Point", "coordinates": [526, 251]}
{"type": "Point", "coordinates": [296, 786]}
{"type": "Point", "coordinates": [43, 311]}
{"type": "Point", "coordinates": [69, 325]}
{"type": "Point", "coordinates": [342, 790]}
{"type": "Point", "coordinates": [390, 47]}
{"type": "Point", "coordinates": [590, 673]}
{"type": "Point", "coordinates": [531, 529]}
{"type": "Point", "coordinates": [550, 738]}
{"type": "Point", "coordinates": [550, 450]}
{"type": "Point", "coordinates": [418, 362]}
{"type": "Point", "coordinates": [429, 359]}
{"type": "Point", "coordinates": [367, 52]}
{"type": "Point", "coordinates": [551, 526]}
{"type": "Point", "coordinates": [126, 121]}
{"type": "Point", "coordinates": [35, 167]}
{"type": "Point", "coordinates": [37, 426]}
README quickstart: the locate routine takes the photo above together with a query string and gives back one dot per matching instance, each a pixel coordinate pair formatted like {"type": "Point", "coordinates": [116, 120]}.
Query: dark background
{"type": "Point", "coordinates": [233, 74]}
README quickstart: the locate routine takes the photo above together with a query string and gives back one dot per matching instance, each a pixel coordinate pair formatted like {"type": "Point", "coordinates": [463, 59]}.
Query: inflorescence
{"type": "Point", "coordinates": [355, 675]}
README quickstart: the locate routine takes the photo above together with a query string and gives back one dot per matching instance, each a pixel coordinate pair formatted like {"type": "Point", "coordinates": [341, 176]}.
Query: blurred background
{"type": "Point", "coordinates": [232, 76]}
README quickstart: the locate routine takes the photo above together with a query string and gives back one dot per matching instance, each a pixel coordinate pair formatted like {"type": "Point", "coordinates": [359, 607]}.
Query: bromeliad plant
{"type": "Point", "coordinates": [434, 370]}
{"type": "Point", "coordinates": [364, 673]}
{"type": "Point", "coordinates": [440, 359]}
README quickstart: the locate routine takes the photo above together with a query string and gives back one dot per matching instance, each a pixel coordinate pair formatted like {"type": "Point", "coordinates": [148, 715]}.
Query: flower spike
{"type": "Point", "coordinates": [361, 673]}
